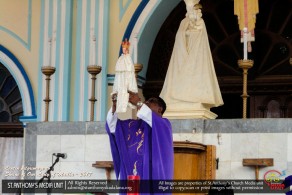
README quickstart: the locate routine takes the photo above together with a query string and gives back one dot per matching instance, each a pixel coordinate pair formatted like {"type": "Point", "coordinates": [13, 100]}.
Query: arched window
{"type": "Point", "coordinates": [10, 99]}
{"type": "Point", "coordinates": [10, 105]}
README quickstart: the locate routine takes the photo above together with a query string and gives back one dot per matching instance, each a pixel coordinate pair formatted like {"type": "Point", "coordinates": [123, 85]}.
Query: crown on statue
{"type": "Point", "coordinates": [126, 44]}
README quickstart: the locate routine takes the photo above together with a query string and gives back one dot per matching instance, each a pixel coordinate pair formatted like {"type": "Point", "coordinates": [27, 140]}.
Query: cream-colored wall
{"type": "Point", "coordinates": [14, 17]}
{"type": "Point", "coordinates": [16, 23]}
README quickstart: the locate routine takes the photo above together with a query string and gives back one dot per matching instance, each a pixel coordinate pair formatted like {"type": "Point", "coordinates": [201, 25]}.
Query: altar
{"type": "Point", "coordinates": [231, 141]}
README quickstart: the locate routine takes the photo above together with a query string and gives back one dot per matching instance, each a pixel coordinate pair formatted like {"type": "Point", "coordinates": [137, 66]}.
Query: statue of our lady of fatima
{"type": "Point", "coordinates": [125, 79]}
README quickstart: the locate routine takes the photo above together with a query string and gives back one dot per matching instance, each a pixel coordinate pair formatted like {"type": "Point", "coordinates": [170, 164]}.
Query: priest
{"type": "Point", "coordinates": [143, 147]}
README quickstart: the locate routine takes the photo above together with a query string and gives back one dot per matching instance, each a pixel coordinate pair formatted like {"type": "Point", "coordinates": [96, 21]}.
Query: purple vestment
{"type": "Point", "coordinates": [150, 150]}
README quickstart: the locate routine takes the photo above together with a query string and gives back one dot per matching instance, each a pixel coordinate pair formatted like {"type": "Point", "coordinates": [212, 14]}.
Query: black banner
{"type": "Point", "coordinates": [144, 186]}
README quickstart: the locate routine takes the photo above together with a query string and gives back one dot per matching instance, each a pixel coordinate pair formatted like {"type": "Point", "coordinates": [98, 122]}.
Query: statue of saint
{"type": "Point", "coordinates": [125, 79]}
{"type": "Point", "coordinates": [191, 84]}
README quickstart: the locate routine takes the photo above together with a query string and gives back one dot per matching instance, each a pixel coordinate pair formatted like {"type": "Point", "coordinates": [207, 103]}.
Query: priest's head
{"type": "Point", "coordinates": [156, 104]}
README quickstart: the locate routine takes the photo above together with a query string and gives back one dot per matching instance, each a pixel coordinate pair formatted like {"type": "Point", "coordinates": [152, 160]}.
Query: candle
{"type": "Point", "coordinates": [136, 49]}
{"type": "Point", "coordinates": [92, 50]}
{"type": "Point", "coordinates": [245, 43]}
{"type": "Point", "coordinates": [133, 183]}
{"type": "Point", "coordinates": [49, 52]}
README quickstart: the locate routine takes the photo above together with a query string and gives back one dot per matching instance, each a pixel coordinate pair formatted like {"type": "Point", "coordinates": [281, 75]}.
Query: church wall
{"type": "Point", "coordinates": [235, 139]}
{"type": "Point", "coordinates": [26, 28]}
{"type": "Point", "coordinates": [19, 32]}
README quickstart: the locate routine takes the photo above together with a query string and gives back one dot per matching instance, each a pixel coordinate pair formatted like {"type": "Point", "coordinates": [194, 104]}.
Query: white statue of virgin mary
{"type": "Point", "coordinates": [125, 79]}
{"type": "Point", "coordinates": [191, 88]}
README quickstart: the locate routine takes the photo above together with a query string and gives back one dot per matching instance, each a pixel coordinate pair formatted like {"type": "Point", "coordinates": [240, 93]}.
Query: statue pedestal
{"type": "Point", "coordinates": [178, 114]}
{"type": "Point", "coordinates": [188, 111]}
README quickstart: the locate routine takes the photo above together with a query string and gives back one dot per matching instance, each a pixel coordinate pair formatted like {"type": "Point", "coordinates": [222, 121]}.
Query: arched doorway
{"type": "Point", "coordinates": [271, 73]}
{"type": "Point", "coordinates": [10, 105]}
{"type": "Point", "coordinates": [10, 99]}
{"type": "Point", "coordinates": [16, 96]}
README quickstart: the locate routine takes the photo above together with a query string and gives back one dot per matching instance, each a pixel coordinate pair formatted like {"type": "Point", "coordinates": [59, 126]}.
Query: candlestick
{"type": "Point", "coordinates": [48, 71]}
{"type": "Point", "coordinates": [93, 70]}
{"type": "Point", "coordinates": [138, 68]}
{"type": "Point", "coordinates": [245, 65]}
{"type": "Point", "coordinates": [245, 43]}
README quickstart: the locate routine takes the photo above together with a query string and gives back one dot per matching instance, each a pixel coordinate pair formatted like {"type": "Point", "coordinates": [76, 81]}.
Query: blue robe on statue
{"type": "Point", "coordinates": [136, 145]}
